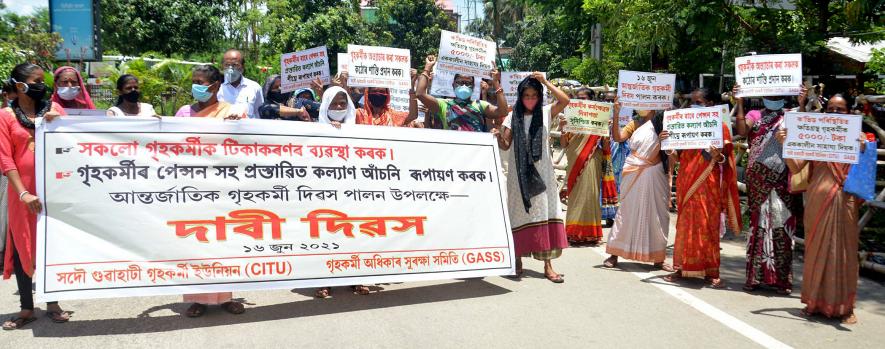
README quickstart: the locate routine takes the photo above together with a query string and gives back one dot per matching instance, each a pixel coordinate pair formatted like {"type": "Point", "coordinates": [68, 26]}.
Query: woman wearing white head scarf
{"type": "Point", "coordinates": [337, 108]}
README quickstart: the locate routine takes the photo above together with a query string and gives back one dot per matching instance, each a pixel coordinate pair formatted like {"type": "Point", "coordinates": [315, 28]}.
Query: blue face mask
{"type": "Point", "coordinates": [463, 92]}
{"type": "Point", "coordinates": [697, 106]}
{"type": "Point", "coordinates": [200, 92]}
{"type": "Point", "coordinates": [773, 105]}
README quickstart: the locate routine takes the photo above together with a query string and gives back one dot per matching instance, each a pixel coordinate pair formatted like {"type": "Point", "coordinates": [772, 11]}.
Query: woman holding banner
{"type": "Point", "coordinates": [774, 211]}
{"type": "Point", "coordinates": [206, 81]}
{"type": "Point", "coordinates": [462, 113]}
{"type": "Point", "coordinates": [336, 109]}
{"type": "Point", "coordinates": [590, 184]}
{"type": "Point", "coordinates": [17, 158]}
{"type": "Point", "coordinates": [705, 188]}
{"type": "Point", "coordinates": [275, 102]}
{"type": "Point", "coordinates": [830, 272]}
{"type": "Point", "coordinates": [70, 91]}
{"type": "Point", "coordinates": [642, 222]}
{"type": "Point", "coordinates": [535, 212]}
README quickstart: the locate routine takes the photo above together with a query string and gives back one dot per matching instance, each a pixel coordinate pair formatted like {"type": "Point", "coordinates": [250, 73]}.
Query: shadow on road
{"type": "Point", "coordinates": [343, 301]}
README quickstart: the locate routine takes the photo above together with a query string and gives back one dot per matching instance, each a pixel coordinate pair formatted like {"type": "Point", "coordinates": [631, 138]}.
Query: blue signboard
{"type": "Point", "coordinates": [76, 22]}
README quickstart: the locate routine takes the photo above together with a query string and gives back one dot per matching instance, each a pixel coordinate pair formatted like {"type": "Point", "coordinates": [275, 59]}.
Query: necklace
{"type": "Point", "coordinates": [23, 118]}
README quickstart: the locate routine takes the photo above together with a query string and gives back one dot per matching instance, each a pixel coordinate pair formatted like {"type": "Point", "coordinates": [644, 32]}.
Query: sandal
{"type": "Point", "coordinates": [196, 310]}
{"type": "Point", "coordinates": [610, 262]}
{"type": "Point", "coordinates": [557, 279]}
{"type": "Point", "coordinates": [17, 323]}
{"type": "Point", "coordinates": [717, 283]}
{"type": "Point", "coordinates": [805, 312]}
{"type": "Point", "coordinates": [749, 288]}
{"type": "Point", "coordinates": [235, 308]}
{"type": "Point", "coordinates": [58, 317]}
{"type": "Point", "coordinates": [784, 291]}
{"type": "Point", "coordinates": [665, 267]}
{"type": "Point", "coordinates": [360, 290]}
{"type": "Point", "coordinates": [324, 292]}
{"type": "Point", "coordinates": [850, 319]}
{"type": "Point", "coordinates": [673, 276]}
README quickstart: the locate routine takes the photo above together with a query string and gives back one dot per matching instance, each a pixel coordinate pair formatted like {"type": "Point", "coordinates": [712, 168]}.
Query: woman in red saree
{"type": "Point", "coordinates": [830, 271]}
{"type": "Point", "coordinates": [705, 188]}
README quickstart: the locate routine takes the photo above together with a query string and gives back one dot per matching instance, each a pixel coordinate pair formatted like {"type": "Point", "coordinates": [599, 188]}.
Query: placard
{"type": "Point", "coordinates": [375, 66]}
{"type": "Point", "coordinates": [588, 117]}
{"type": "Point", "coordinates": [822, 137]}
{"type": "Point", "coordinates": [769, 75]}
{"type": "Point", "coordinates": [299, 69]}
{"type": "Point", "coordinates": [442, 85]}
{"type": "Point", "coordinates": [693, 128]}
{"type": "Point", "coordinates": [646, 91]}
{"type": "Point", "coordinates": [510, 84]}
{"type": "Point", "coordinates": [465, 55]}
{"type": "Point", "coordinates": [140, 206]}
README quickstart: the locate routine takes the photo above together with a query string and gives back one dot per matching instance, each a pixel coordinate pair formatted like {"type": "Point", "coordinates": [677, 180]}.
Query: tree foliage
{"type": "Point", "coordinates": [413, 24]}
{"type": "Point", "coordinates": [132, 27]}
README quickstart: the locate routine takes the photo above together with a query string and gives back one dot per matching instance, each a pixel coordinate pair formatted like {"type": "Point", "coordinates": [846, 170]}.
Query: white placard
{"type": "Point", "coordinates": [302, 67]}
{"type": "Point", "coordinates": [822, 137]}
{"type": "Point", "coordinates": [769, 75]}
{"type": "Point", "coordinates": [510, 84]}
{"type": "Point", "coordinates": [465, 55]}
{"type": "Point", "coordinates": [693, 128]}
{"type": "Point", "coordinates": [646, 91]}
{"type": "Point", "coordinates": [375, 66]}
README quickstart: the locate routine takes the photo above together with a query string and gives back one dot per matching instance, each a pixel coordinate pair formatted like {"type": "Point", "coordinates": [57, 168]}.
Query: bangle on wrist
{"type": "Point", "coordinates": [499, 90]}
{"type": "Point", "coordinates": [21, 196]}
{"type": "Point", "coordinates": [721, 161]}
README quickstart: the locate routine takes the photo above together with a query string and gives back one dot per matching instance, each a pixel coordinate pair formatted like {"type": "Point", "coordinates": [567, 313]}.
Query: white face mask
{"type": "Point", "coordinates": [68, 93]}
{"type": "Point", "coordinates": [337, 115]}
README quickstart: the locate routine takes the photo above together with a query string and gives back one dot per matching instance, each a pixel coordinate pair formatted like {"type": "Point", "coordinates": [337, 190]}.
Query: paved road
{"type": "Point", "coordinates": [627, 307]}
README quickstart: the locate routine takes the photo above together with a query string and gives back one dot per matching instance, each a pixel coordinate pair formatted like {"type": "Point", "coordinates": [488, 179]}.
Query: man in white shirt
{"type": "Point", "coordinates": [237, 89]}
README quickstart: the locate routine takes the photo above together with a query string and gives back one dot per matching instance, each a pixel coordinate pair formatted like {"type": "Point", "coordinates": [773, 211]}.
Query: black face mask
{"type": "Point", "coordinates": [378, 100]}
{"type": "Point", "coordinates": [36, 91]}
{"type": "Point", "coordinates": [131, 97]}
{"type": "Point", "coordinates": [277, 97]}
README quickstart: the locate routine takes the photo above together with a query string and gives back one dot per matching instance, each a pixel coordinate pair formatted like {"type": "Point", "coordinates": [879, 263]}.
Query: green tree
{"type": "Point", "coordinates": [297, 25]}
{"type": "Point", "coordinates": [131, 27]}
{"type": "Point", "coordinates": [412, 24]}
{"type": "Point", "coordinates": [27, 38]}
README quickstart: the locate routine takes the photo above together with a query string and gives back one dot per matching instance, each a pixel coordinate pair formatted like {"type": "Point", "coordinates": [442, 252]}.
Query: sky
{"type": "Point", "coordinates": [28, 6]}
{"type": "Point", "coordinates": [24, 7]}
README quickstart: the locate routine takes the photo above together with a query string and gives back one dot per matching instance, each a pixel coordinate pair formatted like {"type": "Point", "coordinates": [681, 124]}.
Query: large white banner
{"type": "Point", "coordinates": [138, 206]}
{"type": "Point", "coordinates": [769, 75]}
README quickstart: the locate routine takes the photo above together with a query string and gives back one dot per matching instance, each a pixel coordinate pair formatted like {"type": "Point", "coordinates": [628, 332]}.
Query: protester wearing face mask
{"type": "Point", "coordinates": [337, 108]}
{"type": "Point", "coordinates": [275, 100]}
{"type": "Point", "coordinates": [238, 89]}
{"type": "Point", "coordinates": [705, 189]}
{"type": "Point", "coordinates": [590, 186]}
{"type": "Point", "coordinates": [128, 96]}
{"type": "Point", "coordinates": [829, 274]}
{"type": "Point", "coordinates": [70, 91]}
{"type": "Point", "coordinates": [775, 213]}
{"type": "Point", "coordinates": [377, 111]}
{"type": "Point", "coordinates": [206, 81]}
{"type": "Point", "coordinates": [533, 197]}
{"type": "Point", "coordinates": [17, 144]}
{"type": "Point", "coordinates": [462, 113]}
